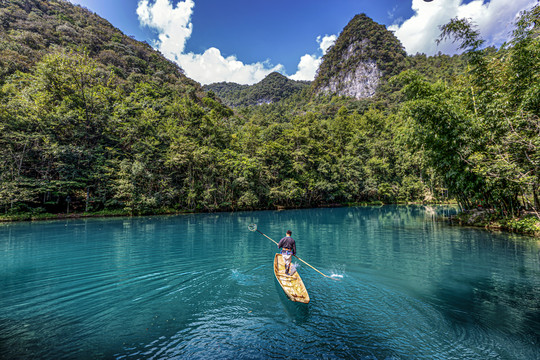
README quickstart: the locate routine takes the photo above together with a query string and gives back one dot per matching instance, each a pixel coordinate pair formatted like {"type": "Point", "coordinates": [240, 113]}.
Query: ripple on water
{"type": "Point", "coordinates": [203, 287]}
{"type": "Point", "coordinates": [246, 279]}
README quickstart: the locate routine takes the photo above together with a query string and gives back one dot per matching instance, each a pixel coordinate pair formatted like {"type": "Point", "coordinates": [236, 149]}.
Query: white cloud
{"type": "Point", "coordinates": [174, 28]}
{"type": "Point", "coordinates": [308, 65]}
{"type": "Point", "coordinates": [325, 42]}
{"type": "Point", "coordinates": [494, 19]}
{"type": "Point", "coordinates": [212, 66]}
{"type": "Point", "coordinates": [173, 24]}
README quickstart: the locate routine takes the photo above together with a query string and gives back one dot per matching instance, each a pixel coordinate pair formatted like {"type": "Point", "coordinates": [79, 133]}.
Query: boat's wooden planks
{"type": "Point", "coordinates": [293, 286]}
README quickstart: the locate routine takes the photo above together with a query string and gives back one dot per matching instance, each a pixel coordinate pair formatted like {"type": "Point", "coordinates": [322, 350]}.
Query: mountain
{"type": "Point", "coordinates": [358, 66]}
{"type": "Point", "coordinates": [364, 54]}
{"type": "Point", "coordinates": [31, 29]}
{"type": "Point", "coordinates": [271, 89]}
{"type": "Point", "coordinates": [94, 120]}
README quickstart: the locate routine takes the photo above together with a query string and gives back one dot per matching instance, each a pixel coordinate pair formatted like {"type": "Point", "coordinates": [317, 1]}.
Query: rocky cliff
{"type": "Point", "coordinates": [364, 55]}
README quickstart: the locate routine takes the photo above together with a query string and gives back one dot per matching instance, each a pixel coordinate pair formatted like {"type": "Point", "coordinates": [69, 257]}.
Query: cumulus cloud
{"type": "Point", "coordinates": [494, 20]}
{"type": "Point", "coordinates": [308, 65]}
{"type": "Point", "coordinates": [325, 42]}
{"type": "Point", "coordinates": [212, 66]}
{"type": "Point", "coordinates": [174, 27]}
{"type": "Point", "coordinates": [172, 23]}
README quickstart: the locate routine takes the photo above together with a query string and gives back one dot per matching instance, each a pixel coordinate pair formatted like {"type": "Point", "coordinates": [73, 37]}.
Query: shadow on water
{"type": "Point", "coordinates": [490, 305]}
{"type": "Point", "coordinates": [297, 312]}
{"type": "Point", "coordinates": [37, 336]}
{"type": "Point", "coordinates": [17, 339]}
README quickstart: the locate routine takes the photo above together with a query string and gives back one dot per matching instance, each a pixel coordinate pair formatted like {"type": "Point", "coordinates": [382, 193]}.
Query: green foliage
{"type": "Point", "coordinates": [360, 41]}
{"type": "Point", "coordinates": [525, 225]}
{"type": "Point", "coordinates": [439, 67]}
{"type": "Point", "coordinates": [32, 29]}
{"type": "Point", "coordinates": [272, 89]}
{"type": "Point", "coordinates": [481, 133]}
{"type": "Point", "coordinates": [97, 122]}
{"type": "Point", "coordinates": [464, 31]}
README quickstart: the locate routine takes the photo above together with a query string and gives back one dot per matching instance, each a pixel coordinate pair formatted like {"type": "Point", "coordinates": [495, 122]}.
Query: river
{"type": "Point", "coordinates": [202, 286]}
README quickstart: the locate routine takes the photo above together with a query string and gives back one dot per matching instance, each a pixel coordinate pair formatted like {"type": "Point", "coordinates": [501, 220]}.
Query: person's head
{"type": "Point", "coordinates": [289, 232]}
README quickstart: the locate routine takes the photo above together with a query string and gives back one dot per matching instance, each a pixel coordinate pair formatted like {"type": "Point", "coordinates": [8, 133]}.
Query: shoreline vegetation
{"type": "Point", "coordinates": [96, 124]}
{"type": "Point", "coordinates": [525, 224]}
{"type": "Point", "coordinates": [35, 216]}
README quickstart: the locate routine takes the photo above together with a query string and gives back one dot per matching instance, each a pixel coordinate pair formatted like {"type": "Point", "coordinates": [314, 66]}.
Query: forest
{"type": "Point", "coordinates": [93, 121]}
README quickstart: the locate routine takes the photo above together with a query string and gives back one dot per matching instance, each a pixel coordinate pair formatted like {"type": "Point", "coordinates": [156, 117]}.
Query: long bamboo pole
{"type": "Point", "coordinates": [263, 234]}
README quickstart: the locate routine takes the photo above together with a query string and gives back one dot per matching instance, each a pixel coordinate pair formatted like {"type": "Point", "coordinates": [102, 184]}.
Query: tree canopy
{"type": "Point", "coordinates": [94, 120]}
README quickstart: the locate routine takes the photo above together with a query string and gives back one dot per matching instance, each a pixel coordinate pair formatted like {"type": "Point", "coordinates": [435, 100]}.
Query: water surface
{"type": "Point", "coordinates": [202, 286]}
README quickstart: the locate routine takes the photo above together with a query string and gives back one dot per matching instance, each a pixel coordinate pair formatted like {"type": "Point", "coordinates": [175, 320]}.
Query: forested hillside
{"type": "Point", "coordinates": [31, 29]}
{"type": "Point", "coordinates": [88, 116]}
{"type": "Point", "coordinates": [93, 120]}
{"type": "Point", "coordinates": [273, 88]}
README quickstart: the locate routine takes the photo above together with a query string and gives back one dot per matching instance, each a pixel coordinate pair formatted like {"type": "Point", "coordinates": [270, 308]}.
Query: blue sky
{"type": "Point", "coordinates": [244, 40]}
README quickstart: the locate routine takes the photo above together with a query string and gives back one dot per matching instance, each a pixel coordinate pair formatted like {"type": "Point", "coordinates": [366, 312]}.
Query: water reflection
{"type": "Point", "coordinates": [202, 286]}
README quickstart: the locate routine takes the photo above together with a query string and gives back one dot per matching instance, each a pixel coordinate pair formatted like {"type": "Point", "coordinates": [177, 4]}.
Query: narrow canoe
{"type": "Point", "coordinates": [292, 285]}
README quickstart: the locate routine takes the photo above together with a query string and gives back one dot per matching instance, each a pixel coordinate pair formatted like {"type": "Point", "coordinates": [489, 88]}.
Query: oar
{"type": "Point", "coordinates": [253, 227]}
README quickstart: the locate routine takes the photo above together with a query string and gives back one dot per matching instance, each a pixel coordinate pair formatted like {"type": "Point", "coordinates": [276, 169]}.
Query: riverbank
{"type": "Point", "coordinates": [526, 224]}
{"type": "Point", "coordinates": [37, 216]}
{"type": "Point", "coordinates": [29, 216]}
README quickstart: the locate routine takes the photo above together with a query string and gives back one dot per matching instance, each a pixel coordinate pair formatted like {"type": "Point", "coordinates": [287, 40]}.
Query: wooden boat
{"type": "Point", "coordinates": [292, 285]}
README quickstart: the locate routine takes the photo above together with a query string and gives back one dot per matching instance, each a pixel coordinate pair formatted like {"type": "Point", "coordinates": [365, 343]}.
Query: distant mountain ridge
{"type": "Point", "coordinates": [364, 55]}
{"type": "Point", "coordinates": [273, 88]}
{"type": "Point", "coordinates": [363, 58]}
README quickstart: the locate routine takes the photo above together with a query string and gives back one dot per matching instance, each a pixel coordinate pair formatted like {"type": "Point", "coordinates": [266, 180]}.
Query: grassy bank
{"type": "Point", "coordinates": [527, 224]}
{"type": "Point", "coordinates": [29, 216]}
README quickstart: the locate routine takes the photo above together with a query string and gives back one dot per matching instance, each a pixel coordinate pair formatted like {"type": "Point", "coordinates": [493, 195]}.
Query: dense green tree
{"type": "Point", "coordinates": [481, 133]}
{"type": "Point", "coordinates": [93, 120]}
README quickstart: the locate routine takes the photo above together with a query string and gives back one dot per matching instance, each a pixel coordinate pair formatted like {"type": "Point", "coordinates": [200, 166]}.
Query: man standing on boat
{"type": "Point", "coordinates": [288, 250]}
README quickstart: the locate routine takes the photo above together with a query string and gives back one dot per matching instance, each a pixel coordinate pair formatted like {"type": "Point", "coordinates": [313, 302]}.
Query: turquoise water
{"type": "Point", "coordinates": [202, 287]}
